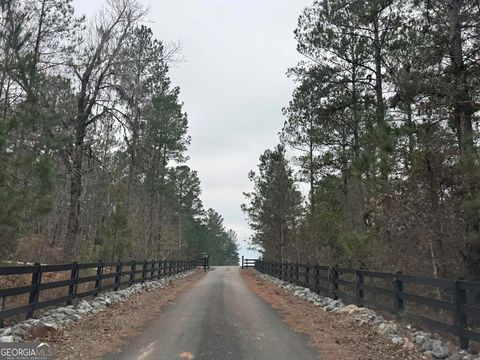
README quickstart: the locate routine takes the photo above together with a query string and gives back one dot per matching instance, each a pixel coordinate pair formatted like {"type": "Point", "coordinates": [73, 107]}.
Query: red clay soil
{"type": "Point", "coordinates": [337, 336]}
{"type": "Point", "coordinates": [98, 334]}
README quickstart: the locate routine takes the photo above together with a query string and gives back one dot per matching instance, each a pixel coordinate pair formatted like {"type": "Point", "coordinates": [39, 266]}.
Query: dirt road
{"type": "Point", "coordinates": [218, 319]}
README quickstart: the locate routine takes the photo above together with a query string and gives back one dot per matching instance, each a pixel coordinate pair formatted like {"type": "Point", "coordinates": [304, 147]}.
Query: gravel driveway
{"type": "Point", "coordinates": [220, 318]}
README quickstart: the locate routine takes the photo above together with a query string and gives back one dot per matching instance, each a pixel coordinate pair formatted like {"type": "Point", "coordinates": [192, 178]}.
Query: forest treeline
{"type": "Point", "coordinates": [93, 141]}
{"type": "Point", "coordinates": [382, 134]}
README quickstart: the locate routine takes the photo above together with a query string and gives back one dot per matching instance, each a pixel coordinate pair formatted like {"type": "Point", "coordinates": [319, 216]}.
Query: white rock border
{"type": "Point", "coordinates": [59, 317]}
{"type": "Point", "coordinates": [406, 336]}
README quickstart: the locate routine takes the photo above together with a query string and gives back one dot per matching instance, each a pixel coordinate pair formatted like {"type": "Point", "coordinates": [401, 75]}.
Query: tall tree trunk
{"type": "Point", "coordinates": [282, 243]}
{"type": "Point", "coordinates": [462, 106]}
{"type": "Point", "coordinates": [312, 173]}
{"type": "Point", "coordinates": [381, 127]}
{"type": "Point", "coordinates": [73, 224]}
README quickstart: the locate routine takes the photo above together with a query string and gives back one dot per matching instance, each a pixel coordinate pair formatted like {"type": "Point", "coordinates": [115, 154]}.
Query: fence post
{"type": "Point", "coordinates": [133, 266]}
{"type": "Point", "coordinates": [144, 270]}
{"type": "Point", "coordinates": [460, 321]}
{"type": "Point", "coordinates": [98, 279]}
{"type": "Point", "coordinates": [118, 270]}
{"type": "Point", "coordinates": [397, 292]}
{"type": "Point", "coordinates": [72, 288]}
{"type": "Point", "coordinates": [307, 275]}
{"type": "Point", "coordinates": [242, 262]}
{"type": "Point", "coordinates": [359, 288]}
{"type": "Point", "coordinates": [334, 283]}
{"type": "Point", "coordinates": [317, 279]}
{"type": "Point", "coordinates": [34, 293]}
{"type": "Point", "coordinates": [297, 275]}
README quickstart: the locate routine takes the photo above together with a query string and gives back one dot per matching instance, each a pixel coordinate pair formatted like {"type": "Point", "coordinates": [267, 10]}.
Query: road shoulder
{"type": "Point", "coordinates": [337, 336]}
{"type": "Point", "coordinates": [105, 332]}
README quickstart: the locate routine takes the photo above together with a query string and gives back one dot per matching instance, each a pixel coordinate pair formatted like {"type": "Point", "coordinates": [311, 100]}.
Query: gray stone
{"type": "Point", "coordinates": [408, 345]}
{"type": "Point", "coordinates": [60, 316]}
{"type": "Point", "coordinates": [397, 340]}
{"type": "Point", "coordinates": [427, 345]}
{"type": "Point", "coordinates": [389, 329]}
{"type": "Point", "coordinates": [420, 339]}
{"type": "Point", "coordinates": [49, 324]}
{"type": "Point", "coordinates": [69, 311]}
{"type": "Point", "coordinates": [18, 330]}
{"type": "Point", "coordinates": [456, 357]}
{"type": "Point", "coordinates": [8, 338]}
{"type": "Point", "coordinates": [439, 351]}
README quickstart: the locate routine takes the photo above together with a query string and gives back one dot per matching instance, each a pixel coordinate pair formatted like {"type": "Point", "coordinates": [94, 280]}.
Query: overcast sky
{"type": "Point", "coordinates": [233, 84]}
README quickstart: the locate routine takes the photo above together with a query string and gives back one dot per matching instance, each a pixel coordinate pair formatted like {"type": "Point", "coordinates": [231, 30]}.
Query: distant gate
{"type": "Point", "coordinates": [203, 262]}
{"type": "Point", "coordinates": [248, 263]}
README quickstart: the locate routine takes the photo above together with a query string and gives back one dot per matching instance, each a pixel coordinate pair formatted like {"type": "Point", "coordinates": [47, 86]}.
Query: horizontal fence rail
{"type": "Point", "coordinates": [248, 263]}
{"type": "Point", "coordinates": [81, 280]}
{"type": "Point", "coordinates": [403, 295]}
{"type": "Point", "coordinates": [203, 263]}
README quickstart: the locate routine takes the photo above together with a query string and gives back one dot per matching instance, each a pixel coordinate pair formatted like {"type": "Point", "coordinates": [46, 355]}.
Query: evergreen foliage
{"type": "Point", "coordinates": [382, 129]}
{"type": "Point", "coordinates": [93, 141]}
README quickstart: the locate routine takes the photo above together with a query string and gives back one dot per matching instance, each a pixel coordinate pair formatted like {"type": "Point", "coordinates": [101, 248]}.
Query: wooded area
{"type": "Point", "coordinates": [93, 141]}
{"type": "Point", "coordinates": [382, 130]}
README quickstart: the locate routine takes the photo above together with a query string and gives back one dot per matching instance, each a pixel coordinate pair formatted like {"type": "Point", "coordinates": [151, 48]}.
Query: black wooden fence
{"type": "Point", "coordinates": [203, 263]}
{"type": "Point", "coordinates": [413, 297]}
{"type": "Point", "coordinates": [108, 275]}
{"type": "Point", "coordinates": [248, 263]}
